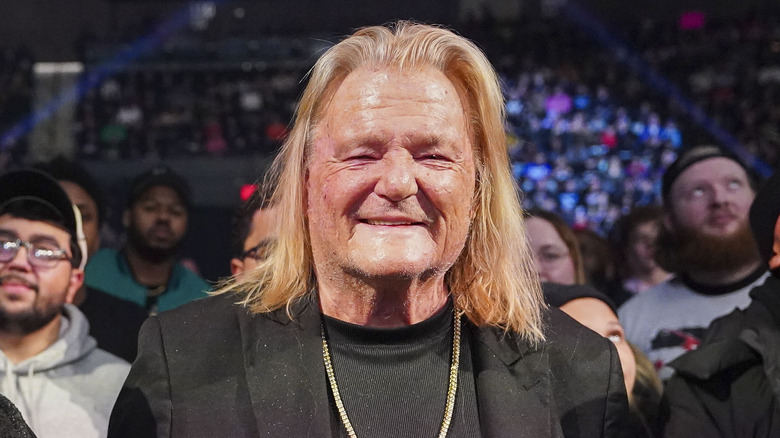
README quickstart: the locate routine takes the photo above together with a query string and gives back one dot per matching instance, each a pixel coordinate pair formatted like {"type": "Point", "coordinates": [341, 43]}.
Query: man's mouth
{"type": "Point", "coordinates": [161, 231]}
{"type": "Point", "coordinates": [722, 219]}
{"type": "Point", "coordinates": [13, 282]}
{"type": "Point", "coordinates": [390, 222]}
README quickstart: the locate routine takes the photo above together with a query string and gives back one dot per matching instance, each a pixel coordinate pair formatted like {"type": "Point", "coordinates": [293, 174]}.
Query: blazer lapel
{"type": "Point", "coordinates": [514, 390]}
{"type": "Point", "coordinates": [285, 372]}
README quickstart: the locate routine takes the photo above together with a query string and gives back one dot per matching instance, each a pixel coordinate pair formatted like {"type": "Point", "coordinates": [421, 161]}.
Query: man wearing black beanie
{"type": "Point", "coordinates": [730, 386]}
{"type": "Point", "coordinates": [706, 242]}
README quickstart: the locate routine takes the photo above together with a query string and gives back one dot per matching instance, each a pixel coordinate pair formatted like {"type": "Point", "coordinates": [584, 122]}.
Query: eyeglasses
{"type": "Point", "coordinates": [39, 254]}
{"type": "Point", "coordinates": [258, 252]}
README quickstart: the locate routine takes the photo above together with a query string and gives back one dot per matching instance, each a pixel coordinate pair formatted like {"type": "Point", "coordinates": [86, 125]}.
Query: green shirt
{"type": "Point", "coordinates": [109, 271]}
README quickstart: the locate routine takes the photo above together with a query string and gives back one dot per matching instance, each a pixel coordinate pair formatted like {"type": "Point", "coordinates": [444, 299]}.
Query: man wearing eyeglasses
{"type": "Point", "coordinates": [253, 233]}
{"type": "Point", "coordinates": [50, 367]}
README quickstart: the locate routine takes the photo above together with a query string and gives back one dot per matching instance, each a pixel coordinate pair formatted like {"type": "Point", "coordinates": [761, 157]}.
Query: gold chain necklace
{"type": "Point", "coordinates": [451, 389]}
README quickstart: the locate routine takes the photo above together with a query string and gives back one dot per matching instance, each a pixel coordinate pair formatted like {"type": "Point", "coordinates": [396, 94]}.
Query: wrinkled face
{"type": "Point", "coordinates": [261, 233]}
{"type": "Point", "coordinates": [552, 258]}
{"type": "Point", "coordinates": [158, 219]}
{"type": "Point", "coordinates": [89, 214]}
{"type": "Point", "coordinates": [712, 196]}
{"type": "Point", "coordinates": [774, 262]}
{"type": "Point", "coordinates": [391, 177]}
{"type": "Point", "coordinates": [597, 316]}
{"type": "Point", "coordinates": [31, 296]}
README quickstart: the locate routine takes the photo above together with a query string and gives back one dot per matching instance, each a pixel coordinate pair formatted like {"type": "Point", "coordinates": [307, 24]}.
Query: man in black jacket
{"type": "Point", "coordinates": [399, 298]}
{"type": "Point", "coordinates": [730, 386]}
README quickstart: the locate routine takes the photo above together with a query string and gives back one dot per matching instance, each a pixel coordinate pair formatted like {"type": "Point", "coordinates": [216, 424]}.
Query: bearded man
{"type": "Point", "coordinates": [706, 241]}
{"type": "Point", "coordinates": [398, 298]}
{"type": "Point", "coordinates": [50, 367]}
{"type": "Point", "coordinates": [146, 271]}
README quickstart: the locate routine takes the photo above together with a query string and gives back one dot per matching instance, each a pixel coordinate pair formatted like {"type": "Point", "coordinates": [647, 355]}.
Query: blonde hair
{"type": "Point", "coordinates": [493, 281]}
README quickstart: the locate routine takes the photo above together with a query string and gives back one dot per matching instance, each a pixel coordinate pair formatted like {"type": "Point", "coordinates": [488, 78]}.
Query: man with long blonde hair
{"type": "Point", "coordinates": [399, 298]}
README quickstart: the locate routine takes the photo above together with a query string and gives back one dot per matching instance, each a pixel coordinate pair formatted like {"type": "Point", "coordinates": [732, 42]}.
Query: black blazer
{"type": "Point", "coordinates": [212, 369]}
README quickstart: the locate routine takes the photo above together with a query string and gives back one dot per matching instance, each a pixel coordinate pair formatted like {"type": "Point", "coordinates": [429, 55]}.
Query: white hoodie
{"type": "Point", "coordinates": [69, 389]}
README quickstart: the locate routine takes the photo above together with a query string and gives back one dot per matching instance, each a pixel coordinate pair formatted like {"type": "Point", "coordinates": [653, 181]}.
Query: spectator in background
{"type": "Point", "coordinates": [50, 367]}
{"type": "Point", "coordinates": [556, 251]}
{"type": "Point", "coordinates": [596, 311]}
{"type": "Point", "coordinates": [597, 259]}
{"type": "Point", "coordinates": [253, 233]}
{"type": "Point", "coordinates": [558, 261]}
{"type": "Point", "coordinates": [145, 271]}
{"type": "Point", "coordinates": [633, 241]}
{"type": "Point", "coordinates": [113, 322]}
{"type": "Point", "coordinates": [706, 241]}
{"type": "Point", "coordinates": [728, 387]}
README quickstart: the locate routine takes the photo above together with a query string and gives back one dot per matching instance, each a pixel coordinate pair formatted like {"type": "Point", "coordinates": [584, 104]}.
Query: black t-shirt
{"type": "Point", "coordinates": [393, 382]}
{"type": "Point", "coordinates": [113, 322]}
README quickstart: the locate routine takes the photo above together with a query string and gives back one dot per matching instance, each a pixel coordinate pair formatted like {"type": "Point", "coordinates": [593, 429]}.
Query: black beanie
{"type": "Point", "coordinates": [691, 157]}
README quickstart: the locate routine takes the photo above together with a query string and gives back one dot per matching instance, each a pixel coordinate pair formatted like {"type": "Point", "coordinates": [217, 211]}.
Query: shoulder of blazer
{"type": "Point", "coordinates": [564, 332]}
{"type": "Point", "coordinates": [210, 321]}
{"type": "Point", "coordinates": [563, 335]}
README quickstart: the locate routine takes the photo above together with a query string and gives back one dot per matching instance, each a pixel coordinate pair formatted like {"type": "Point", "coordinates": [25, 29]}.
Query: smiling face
{"type": "Point", "coordinates": [30, 296]}
{"type": "Point", "coordinates": [391, 177]}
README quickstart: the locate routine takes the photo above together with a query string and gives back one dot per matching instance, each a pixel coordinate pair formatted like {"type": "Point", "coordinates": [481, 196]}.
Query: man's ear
{"type": "Point", "coordinates": [236, 266]}
{"type": "Point", "coordinates": [76, 280]}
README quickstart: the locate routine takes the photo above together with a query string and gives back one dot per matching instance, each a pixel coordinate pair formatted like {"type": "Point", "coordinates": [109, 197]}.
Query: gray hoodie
{"type": "Point", "coordinates": [68, 389]}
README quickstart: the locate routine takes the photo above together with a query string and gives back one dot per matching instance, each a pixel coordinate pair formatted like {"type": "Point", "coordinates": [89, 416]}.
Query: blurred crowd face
{"type": "Point", "coordinates": [597, 316]}
{"type": "Point", "coordinates": [552, 258]}
{"type": "Point", "coordinates": [89, 214]}
{"type": "Point", "coordinates": [31, 296]}
{"type": "Point", "coordinates": [391, 177]}
{"type": "Point", "coordinates": [774, 262]}
{"type": "Point", "coordinates": [157, 222]}
{"type": "Point", "coordinates": [641, 247]}
{"type": "Point", "coordinates": [712, 197]}
{"type": "Point", "coordinates": [261, 234]}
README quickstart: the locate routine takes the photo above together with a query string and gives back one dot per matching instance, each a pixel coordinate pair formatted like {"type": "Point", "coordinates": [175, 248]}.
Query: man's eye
{"type": "Point", "coordinates": [436, 157]}
{"type": "Point", "coordinates": [46, 253]}
{"type": "Point", "coordinates": [362, 156]}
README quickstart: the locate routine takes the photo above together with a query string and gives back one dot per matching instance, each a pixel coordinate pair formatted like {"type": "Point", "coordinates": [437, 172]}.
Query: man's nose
{"type": "Point", "coordinates": [720, 195]}
{"type": "Point", "coordinates": [163, 215]}
{"type": "Point", "coordinates": [398, 180]}
{"type": "Point", "coordinates": [21, 261]}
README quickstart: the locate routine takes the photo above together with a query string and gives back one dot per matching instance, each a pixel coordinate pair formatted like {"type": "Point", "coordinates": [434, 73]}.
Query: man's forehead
{"type": "Point", "coordinates": [26, 228]}
{"type": "Point", "coordinates": [711, 169]}
{"type": "Point", "coordinates": [161, 193]}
